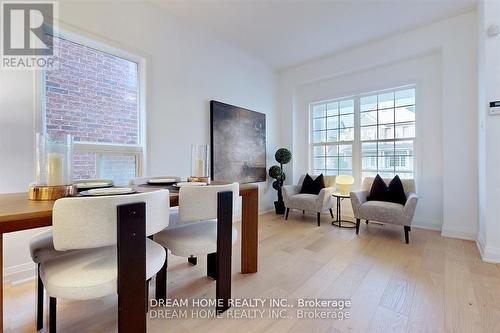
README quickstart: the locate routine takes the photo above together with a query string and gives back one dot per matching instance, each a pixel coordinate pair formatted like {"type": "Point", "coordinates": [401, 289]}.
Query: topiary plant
{"type": "Point", "coordinates": [282, 156]}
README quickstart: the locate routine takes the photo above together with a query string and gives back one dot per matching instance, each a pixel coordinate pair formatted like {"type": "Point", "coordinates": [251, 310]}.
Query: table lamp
{"type": "Point", "coordinates": [344, 183]}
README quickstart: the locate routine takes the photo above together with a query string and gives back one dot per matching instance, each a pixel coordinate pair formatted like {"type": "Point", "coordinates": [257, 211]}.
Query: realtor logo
{"type": "Point", "coordinates": [26, 29]}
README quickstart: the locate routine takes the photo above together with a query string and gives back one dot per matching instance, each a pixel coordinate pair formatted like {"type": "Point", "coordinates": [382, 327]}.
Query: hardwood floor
{"type": "Point", "coordinates": [434, 284]}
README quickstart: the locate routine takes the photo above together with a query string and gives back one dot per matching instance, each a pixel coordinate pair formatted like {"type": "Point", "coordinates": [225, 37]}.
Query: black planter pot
{"type": "Point", "coordinates": [279, 207]}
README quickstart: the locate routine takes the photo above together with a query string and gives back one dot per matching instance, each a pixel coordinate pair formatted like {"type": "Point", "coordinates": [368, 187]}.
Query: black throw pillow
{"type": "Point", "coordinates": [311, 186]}
{"type": "Point", "coordinates": [378, 192]}
{"type": "Point", "coordinates": [396, 192]}
{"type": "Point", "coordinates": [392, 193]}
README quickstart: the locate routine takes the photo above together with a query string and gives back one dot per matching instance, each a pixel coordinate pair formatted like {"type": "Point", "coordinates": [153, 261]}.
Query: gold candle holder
{"type": "Point", "coordinates": [42, 193]}
{"type": "Point", "coordinates": [199, 179]}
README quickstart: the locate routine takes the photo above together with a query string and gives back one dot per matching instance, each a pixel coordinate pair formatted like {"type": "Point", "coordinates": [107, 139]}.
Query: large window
{"type": "Point", "coordinates": [94, 95]}
{"type": "Point", "coordinates": [365, 135]}
{"type": "Point", "coordinates": [332, 135]}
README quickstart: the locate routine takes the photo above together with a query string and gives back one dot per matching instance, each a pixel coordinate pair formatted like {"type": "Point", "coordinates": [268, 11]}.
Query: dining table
{"type": "Point", "coordinates": [18, 213]}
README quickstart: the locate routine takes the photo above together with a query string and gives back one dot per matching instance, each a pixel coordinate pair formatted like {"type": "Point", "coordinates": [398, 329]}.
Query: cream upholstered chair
{"type": "Point", "coordinates": [83, 263]}
{"type": "Point", "coordinates": [385, 212]}
{"type": "Point", "coordinates": [310, 202]}
{"type": "Point", "coordinates": [193, 260]}
{"type": "Point", "coordinates": [42, 248]}
{"type": "Point", "coordinates": [199, 231]}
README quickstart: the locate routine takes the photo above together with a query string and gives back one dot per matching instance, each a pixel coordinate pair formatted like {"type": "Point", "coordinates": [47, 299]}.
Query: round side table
{"type": "Point", "coordinates": [338, 221]}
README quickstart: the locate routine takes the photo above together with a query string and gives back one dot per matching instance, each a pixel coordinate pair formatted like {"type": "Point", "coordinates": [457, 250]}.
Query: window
{"type": "Point", "coordinates": [383, 137]}
{"type": "Point", "coordinates": [333, 134]}
{"type": "Point", "coordinates": [94, 95]}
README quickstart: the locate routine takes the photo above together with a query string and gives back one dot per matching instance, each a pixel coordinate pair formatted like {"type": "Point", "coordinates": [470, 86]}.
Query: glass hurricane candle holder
{"type": "Point", "coordinates": [54, 168]}
{"type": "Point", "coordinates": [200, 163]}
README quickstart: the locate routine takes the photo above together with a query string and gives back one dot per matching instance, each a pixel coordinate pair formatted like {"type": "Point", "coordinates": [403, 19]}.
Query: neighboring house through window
{"type": "Point", "coordinates": [382, 142]}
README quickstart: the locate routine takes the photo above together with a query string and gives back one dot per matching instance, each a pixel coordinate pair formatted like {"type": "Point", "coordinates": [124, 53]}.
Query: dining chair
{"type": "Point", "coordinates": [203, 230]}
{"type": "Point", "coordinates": [193, 260]}
{"type": "Point", "coordinates": [42, 248]}
{"type": "Point", "coordinates": [83, 263]}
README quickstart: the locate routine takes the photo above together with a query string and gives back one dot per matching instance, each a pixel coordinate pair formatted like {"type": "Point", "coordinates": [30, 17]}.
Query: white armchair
{"type": "Point", "coordinates": [322, 202]}
{"type": "Point", "coordinates": [385, 212]}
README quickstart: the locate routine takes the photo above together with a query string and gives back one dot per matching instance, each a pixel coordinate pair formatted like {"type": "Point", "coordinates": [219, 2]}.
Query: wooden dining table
{"type": "Point", "coordinates": [18, 213]}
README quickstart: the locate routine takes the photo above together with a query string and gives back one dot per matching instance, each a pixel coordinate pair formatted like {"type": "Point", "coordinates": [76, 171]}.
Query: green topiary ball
{"type": "Point", "coordinates": [283, 156]}
{"type": "Point", "coordinates": [275, 172]}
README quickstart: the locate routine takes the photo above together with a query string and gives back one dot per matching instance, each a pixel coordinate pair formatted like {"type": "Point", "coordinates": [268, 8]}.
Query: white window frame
{"type": "Point", "coordinates": [326, 143]}
{"type": "Point", "coordinates": [357, 168]}
{"type": "Point", "coordinates": [139, 150]}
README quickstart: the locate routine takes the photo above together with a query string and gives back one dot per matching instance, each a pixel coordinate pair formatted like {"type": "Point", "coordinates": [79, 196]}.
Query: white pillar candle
{"type": "Point", "coordinates": [199, 168]}
{"type": "Point", "coordinates": [55, 169]}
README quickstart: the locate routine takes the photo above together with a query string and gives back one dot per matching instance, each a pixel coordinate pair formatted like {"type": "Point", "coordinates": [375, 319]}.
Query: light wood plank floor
{"type": "Point", "coordinates": [434, 284]}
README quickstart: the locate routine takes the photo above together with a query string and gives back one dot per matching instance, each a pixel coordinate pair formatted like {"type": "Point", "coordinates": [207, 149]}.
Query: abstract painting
{"type": "Point", "coordinates": [238, 142]}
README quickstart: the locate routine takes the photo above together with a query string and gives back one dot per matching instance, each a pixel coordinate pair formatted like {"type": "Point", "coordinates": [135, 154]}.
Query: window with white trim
{"type": "Point", "coordinates": [365, 135]}
{"type": "Point", "coordinates": [95, 96]}
{"type": "Point", "coordinates": [332, 136]}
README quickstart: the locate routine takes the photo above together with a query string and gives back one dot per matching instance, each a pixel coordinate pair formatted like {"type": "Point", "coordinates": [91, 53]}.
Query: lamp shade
{"type": "Point", "coordinates": [344, 183]}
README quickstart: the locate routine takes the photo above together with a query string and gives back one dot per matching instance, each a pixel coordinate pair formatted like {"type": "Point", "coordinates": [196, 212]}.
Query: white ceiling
{"type": "Point", "coordinates": [286, 32]}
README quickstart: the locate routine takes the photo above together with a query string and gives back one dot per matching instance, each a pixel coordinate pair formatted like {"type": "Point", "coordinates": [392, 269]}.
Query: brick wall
{"type": "Point", "coordinates": [94, 97]}
{"type": "Point", "coordinates": [84, 165]}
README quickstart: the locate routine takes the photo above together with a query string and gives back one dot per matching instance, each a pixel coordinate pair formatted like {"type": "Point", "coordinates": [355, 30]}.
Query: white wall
{"type": "Point", "coordinates": [488, 238]}
{"type": "Point", "coordinates": [425, 72]}
{"type": "Point", "coordinates": [447, 171]}
{"type": "Point", "coordinates": [187, 68]}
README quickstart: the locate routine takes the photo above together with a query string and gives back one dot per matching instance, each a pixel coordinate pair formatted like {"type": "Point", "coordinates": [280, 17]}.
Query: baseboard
{"type": "Point", "coordinates": [488, 253]}
{"type": "Point", "coordinates": [19, 273]}
{"type": "Point", "coordinates": [428, 225]}
{"type": "Point", "coordinates": [460, 234]}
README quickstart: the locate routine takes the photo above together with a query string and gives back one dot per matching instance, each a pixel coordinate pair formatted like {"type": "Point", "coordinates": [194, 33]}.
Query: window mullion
{"type": "Point", "coordinates": [356, 145]}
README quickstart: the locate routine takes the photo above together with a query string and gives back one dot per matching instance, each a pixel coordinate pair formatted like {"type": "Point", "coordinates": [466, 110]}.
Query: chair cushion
{"type": "Point", "coordinates": [382, 211]}
{"type": "Point", "coordinates": [394, 192]}
{"type": "Point", "coordinates": [304, 201]}
{"type": "Point", "coordinates": [42, 247]}
{"type": "Point", "coordinates": [191, 239]}
{"type": "Point", "coordinates": [378, 190]}
{"type": "Point", "coordinates": [311, 186]}
{"type": "Point", "coordinates": [92, 273]}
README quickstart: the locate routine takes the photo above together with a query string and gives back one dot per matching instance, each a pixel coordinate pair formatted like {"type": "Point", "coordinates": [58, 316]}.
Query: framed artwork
{"type": "Point", "coordinates": [238, 140]}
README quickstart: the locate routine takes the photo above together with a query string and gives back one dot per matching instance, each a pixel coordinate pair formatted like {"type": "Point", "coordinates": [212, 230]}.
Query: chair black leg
{"type": "Point", "coordinates": [303, 212]}
{"type": "Point", "coordinates": [286, 215]}
{"type": "Point", "coordinates": [318, 215]}
{"type": "Point", "coordinates": [212, 265]}
{"type": "Point", "coordinates": [192, 260]}
{"type": "Point", "coordinates": [52, 315]}
{"type": "Point", "coordinates": [331, 212]}
{"type": "Point", "coordinates": [366, 221]}
{"type": "Point", "coordinates": [358, 222]}
{"type": "Point", "coordinates": [407, 234]}
{"type": "Point", "coordinates": [161, 281]}
{"type": "Point", "coordinates": [39, 301]}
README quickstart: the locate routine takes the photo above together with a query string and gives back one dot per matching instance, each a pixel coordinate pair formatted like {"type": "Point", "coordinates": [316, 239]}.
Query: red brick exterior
{"type": "Point", "coordinates": [94, 97]}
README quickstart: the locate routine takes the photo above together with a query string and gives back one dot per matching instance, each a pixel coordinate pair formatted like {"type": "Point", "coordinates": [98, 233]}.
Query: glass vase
{"type": "Point", "coordinates": [200, 163]}
{"type": "Point", "coordinates": [54, 161]}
